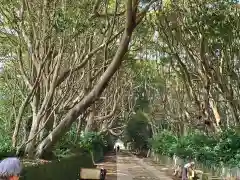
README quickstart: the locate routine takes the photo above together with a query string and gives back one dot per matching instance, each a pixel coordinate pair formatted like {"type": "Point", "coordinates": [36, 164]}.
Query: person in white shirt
{"type": "Point", "coordinates": [187, 167]}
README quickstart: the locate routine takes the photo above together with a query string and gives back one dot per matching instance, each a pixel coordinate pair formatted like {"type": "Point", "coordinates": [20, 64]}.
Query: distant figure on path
{"type": "Point", "coordinates": [189, 167]}
{"type": "Point", "coordinates": [118, 148]}
{"type": "Point", "coordinates": [10, 169]}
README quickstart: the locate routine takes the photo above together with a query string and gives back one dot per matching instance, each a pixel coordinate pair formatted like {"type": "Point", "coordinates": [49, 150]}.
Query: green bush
{"type": "Point", "coordinates": [108, 141]}
{"type": "Point", "coordinates": [164, 143]}
{"type": "Point", "coordinates": [223, 148]}
{"type": "Point", "coordinates": [6, 149]}
{"type": "Point", "coordinates": [94, 143]}
{"type": "Point", "coordinates": [138, 131]}
{"type": "Point", "coordinates": [67, 168]}
{"type": "Point", "coordinates": [91, 141]}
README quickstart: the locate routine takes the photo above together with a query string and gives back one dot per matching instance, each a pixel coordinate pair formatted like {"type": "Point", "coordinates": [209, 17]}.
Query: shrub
{"type": "Point", "coordinates": [138, 131]}
{"type": "Point", "coordinates": [69, 144]}
{"type": "Point", "coordinates": [6, 149]}
{"type": "Point", "coordinates": [91, 141]}
{"type": "Point", "coordinates": [218, 149]}
{"type": "Point", "coordinates": [164, 143]}
{"type": "Point", "coordinates": [108, 143]}
{"type": "Point", "coordinates": [94, 143]}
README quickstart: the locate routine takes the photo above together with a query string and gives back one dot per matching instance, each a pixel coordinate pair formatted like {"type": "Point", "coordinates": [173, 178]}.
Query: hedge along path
{"type": "Point", "coordinates": [168, 169]}
{"type": "Point", "coordinates": [125, 166]}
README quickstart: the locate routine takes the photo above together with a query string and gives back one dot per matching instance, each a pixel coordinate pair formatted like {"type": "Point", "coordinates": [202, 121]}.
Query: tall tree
{"type": "Point", "coordinates": [65, 60]}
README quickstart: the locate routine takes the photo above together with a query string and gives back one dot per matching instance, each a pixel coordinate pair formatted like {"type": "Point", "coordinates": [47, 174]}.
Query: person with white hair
{"type": "Point", "coordinates": [186, 169]}
{"type": "Point", "coordinates": [10, 169]}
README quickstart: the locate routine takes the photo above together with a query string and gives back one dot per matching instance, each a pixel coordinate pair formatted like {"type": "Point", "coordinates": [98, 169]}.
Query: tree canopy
{"type": "Point", "coordinates": [140, 69]}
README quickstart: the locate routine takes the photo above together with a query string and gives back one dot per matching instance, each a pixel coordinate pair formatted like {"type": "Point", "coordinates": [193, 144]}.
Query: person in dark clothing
{"type": "Point", "coordinates": [10, 169]}
{"type": "Point", "coordinates": [103, 174]}
{"type": "Point", "coordinates": [118, 148]}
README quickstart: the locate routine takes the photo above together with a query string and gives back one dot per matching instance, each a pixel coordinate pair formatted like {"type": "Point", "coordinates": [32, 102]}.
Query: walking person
{"type": "Point", "coordinates": [10, 169]}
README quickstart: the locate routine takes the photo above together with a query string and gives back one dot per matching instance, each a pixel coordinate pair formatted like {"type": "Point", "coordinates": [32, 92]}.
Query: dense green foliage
{"type": "Point", "coordinates": [220, 149]}
{"type": "Point", "coordinates": [6, 118]}
{"type": "Point", "coordinates": [91, 141]}
{"type": "Point", "coordinates": [95, 143]}
{"type": "Point", "coordinates": [6, 149]}
{"type": "Point", "coordinates": [138, 131]}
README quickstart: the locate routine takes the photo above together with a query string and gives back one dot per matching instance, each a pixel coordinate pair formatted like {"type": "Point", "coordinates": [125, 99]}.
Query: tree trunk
{"type": "Point", "coordinates": [39, 112]}
{"type": "Point", "coordinates": [30, 146]}
{"type": "Point", "coordinates": [90, 119]}
{"type": "Point", "coordinates": [92, 96]}
{"type": "Point", "coordinates": [79, 128]}
{"type": "Point", "coordinates": [90, 122]}
{"type": "Point", "coordinates": [49, 117]}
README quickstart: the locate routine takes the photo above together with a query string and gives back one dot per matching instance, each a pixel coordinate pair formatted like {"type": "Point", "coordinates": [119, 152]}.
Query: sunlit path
{"type": "Point", "coordinates": [125, 166]}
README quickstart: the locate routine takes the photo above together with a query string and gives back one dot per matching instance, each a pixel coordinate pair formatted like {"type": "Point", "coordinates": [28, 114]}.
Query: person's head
{"type": "Point", "coordinates": [192, 164]}
{"type": "Point", "coordinates": [10, 169]}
